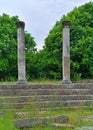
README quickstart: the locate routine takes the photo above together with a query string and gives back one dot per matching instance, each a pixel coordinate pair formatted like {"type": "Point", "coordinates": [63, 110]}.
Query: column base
{"type": "Point", "coordinates": [66, 82]}
{"type": "Point", "coordinates": [21, 82]}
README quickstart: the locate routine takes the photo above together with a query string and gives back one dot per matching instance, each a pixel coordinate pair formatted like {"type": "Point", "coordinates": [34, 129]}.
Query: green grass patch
{"type": "Point", "coordinates": [76, 118]}
{"type": "Point", "coordinates": [36, 81]}
{"type": "Point", "coordinates": [6, 121]}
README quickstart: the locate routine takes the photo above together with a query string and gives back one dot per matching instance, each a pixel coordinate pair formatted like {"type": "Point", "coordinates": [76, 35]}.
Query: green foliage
{"type": "Point", "coordinates": [6, 121]}
{"type": "Point", "coordinates": [47, 63]}
{"type": "Point", "coordinates": [51, 56]}
{"type": "Point", "coordinates": [29, 42]}
{"type": "Point", "coordinates": [81, 44]}
{"type": "Point", "coordinates": [8, 47]}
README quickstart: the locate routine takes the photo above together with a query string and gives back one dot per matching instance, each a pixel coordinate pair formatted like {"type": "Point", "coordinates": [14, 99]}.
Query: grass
{"type": "Point", "coordinates": [38, 81]}
{"type": "Point", "coordinates": [6, 121]}
{"type": "Point", "coordinates": [48, 81]}
{"type": "Point", "coordinates": [75, 118]}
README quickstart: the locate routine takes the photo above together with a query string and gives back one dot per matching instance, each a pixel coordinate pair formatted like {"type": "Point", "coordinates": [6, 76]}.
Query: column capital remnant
{"type": "Point", "coordinates": [66, 23]}
{"type": "Point", "coordinates": [20, 24]}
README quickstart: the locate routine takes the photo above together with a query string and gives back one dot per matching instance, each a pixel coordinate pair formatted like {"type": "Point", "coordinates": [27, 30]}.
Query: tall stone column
{"type": "Point", "coordinates": [21, 53]}
{"type": "Point", "coordinates": [66, 52]}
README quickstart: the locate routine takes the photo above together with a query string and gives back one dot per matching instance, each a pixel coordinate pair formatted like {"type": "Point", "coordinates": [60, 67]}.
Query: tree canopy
{"type": "Point", "coordinates": [8, 46]}
{"type": "Point", "coordinates": [47, 63]}
{"type": "Point", "coordinates": [81, 33]}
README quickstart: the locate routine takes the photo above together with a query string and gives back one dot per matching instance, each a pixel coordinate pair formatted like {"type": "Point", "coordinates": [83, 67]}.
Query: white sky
{"type": "Point", "coordinates": [39, 15]}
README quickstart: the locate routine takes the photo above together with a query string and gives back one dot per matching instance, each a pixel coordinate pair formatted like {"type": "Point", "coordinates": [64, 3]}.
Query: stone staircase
{"type": "Point", "coordinates": [45, 96]}
{"type": "Point", "coordinates": [24, 99]}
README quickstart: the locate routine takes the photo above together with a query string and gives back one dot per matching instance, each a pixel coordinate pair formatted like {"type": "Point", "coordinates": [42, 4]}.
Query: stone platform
{"type": "Point", "coordinates": [45, 95]}
{"type": "Point", "coordinates": [42, 97]}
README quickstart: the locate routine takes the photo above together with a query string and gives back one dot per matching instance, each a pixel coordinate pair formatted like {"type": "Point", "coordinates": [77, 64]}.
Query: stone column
{"type": "Point", "coordinates": [21, 53]}
{"type": "Point", "coordinates": [66, 52]}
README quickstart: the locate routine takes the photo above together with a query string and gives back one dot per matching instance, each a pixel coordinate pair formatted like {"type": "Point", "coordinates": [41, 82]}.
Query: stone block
{"type": "Point", "coordinates": [27, 123]}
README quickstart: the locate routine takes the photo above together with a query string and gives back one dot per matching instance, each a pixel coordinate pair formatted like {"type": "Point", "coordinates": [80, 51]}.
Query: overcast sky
{"type": "Point", "coordinates": [39, 15]}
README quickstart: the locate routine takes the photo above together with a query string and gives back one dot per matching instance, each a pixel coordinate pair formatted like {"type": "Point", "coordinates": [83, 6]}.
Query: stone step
{"type": "Point", "coordinates": [40, 98]}
{"type": "Point", "coordinates": [31, 122]}
{"type": "Point", "coordinates": [46, 104]}
{"type": "Point", "coordinates": [46, 109]}
{"type": "Point", "coordinates": [48, 86]}
{"type": "Point", "coordinates": [62, 126]}
{"type": "Point", "coordinates": [45, 96]}
{"type": "Point", "coordinates": [27, 92]}
{"type": "Point", "coordinates": [72, 103]}
{"type": "Point", "coordinates": [84, 128]}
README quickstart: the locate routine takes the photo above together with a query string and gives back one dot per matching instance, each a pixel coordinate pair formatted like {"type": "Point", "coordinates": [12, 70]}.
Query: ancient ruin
{"type": "Point", "coordinates": [66, 52]}
{"type": "Point", "coordinates": [21, 53]}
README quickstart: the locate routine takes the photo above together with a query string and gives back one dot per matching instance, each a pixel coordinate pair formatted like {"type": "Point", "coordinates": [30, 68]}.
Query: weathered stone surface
{"type": "Point", "coordinates": [48, 86]}
{"type": "Point", "coordinates": [46, 95]}
{"type": "Point", "coordinates": [21, 53]}
{"type": "Point", "coordinates": [47, 104]}
{"type": "Point", "coordinates": [66, 23]}
{"type": "Point", "coordinates": [28, 92]}
{"type": "Point", "coordinates": [20, 24]}
{"type": "Point", "coordinates": [1, 114]}
{"type": "Point", "coordinates": [55, 125]}
{"type": "Point", "coordinates": [66, 70]}
{"type": "Point", "coordinates": [66, 52]}
{"type": "Point", "coordinates": [27, 123]}
{"type": "Point", "coordinates": [84, 128]}
{"type": "Point", "coordinates": [89, 118]}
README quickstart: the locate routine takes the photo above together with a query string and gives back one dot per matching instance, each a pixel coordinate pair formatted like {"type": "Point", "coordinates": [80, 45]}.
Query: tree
{"type": "Point", "coordinates": [81, 44]}
{"type": "Point", "coordinates": [51, 56]}
{"type": "Point", "coordinates": [8, 47]}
